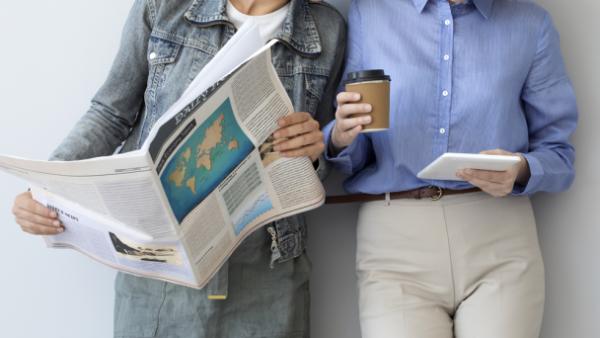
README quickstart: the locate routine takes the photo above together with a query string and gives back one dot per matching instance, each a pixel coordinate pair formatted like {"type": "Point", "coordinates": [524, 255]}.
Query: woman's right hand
{"type": "Point", "coordinates": [34, 218]}
{"type": "Point", "coordinates": [350, 118]}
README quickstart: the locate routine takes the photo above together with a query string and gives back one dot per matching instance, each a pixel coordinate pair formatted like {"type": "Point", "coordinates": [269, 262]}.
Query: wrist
{"type": "Point", "coordinates": [334, 150]}
{"type": "Point", "coordinates": [524, 172]}
{"type": "Point", "coordinates": [334, 147]}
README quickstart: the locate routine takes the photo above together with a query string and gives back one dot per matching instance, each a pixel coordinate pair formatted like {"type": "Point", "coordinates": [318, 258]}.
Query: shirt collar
{"type": "Point", "coordinates": [299, 28]}
{"type": "Point", "coordinates": [484, 6]}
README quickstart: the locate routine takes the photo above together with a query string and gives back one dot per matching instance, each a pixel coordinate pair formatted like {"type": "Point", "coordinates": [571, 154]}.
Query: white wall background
{"type": "Point", "coordinates": [55, 55]}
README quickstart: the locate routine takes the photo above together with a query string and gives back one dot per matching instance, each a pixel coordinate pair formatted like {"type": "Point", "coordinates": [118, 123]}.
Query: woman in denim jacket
{"type": "Point", "coordinates": [164, 46]}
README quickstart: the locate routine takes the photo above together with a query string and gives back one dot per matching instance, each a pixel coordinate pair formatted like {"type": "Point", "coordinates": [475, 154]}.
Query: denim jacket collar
{"type": "Point", "coordinates": [299, 28]}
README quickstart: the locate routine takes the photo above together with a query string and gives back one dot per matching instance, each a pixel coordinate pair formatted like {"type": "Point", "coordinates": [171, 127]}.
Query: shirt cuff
{"type": "Point", "coordinates": [537, 173]}
{"type": "Point", "coordinates": [343, 159]}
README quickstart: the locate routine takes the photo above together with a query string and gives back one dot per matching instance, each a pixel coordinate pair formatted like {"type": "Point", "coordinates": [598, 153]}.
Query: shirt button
{"type": "Point", "coordinates": [152, 56]}
{"type": "Point", "coordinates": [446, 57]}
{"type": "Point", "coordinates": [442, 131]}
{"type": "Point", "coordinates": [445, 93]}
{"type": "Point", "coordinates": [447, 22]}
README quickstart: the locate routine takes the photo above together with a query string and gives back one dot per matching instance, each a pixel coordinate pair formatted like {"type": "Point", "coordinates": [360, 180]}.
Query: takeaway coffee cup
{"type": "Point", "coordinates": [374, 88]}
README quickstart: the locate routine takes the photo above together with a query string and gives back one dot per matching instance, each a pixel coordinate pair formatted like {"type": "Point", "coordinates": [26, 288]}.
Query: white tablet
{"type": "Point", "coordinates": [446, 166]}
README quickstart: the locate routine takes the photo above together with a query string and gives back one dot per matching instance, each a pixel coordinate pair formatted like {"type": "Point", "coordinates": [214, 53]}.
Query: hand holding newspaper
{"type": "Point", "coordinates": [205, 178]}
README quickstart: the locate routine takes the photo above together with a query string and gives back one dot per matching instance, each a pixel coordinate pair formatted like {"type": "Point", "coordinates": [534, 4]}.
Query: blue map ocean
{"type": "Point", "coordinates": [232, 149]}
{"type": "Point", "coordinates": [261, 205]}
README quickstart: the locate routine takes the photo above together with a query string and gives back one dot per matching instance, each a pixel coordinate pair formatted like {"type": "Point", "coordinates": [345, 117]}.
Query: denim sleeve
{"type": "Point", "coordinates": [326, 108]}
{"type": "Point", "coordinates": [551, 113]}
{"type": "Point", "coordinates": [117, 105]}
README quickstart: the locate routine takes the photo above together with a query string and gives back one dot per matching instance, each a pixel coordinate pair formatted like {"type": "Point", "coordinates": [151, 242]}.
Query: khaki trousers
{"type": "Point", "coordinates": [467, 266]}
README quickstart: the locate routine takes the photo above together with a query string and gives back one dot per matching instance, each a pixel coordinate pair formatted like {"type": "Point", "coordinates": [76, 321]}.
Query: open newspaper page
{"type": "Point", "coordinates": [111, 210]}
{"type": "Point", "coordinates": [116, 245]}
{"type": "Point", "coordinates": [120, 187]}
{"type": "Point", "coordinates": [220, 175]}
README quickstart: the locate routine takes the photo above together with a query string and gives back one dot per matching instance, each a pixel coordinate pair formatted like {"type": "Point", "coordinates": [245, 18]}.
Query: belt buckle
{"type": "Point", "coordinates": [439, 195]}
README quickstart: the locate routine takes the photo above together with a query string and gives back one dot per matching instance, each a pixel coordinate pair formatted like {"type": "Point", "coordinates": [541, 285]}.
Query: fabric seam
{"type": "Point", "coordinates": [451, 259]}
{"type": "Point", "coordinates": [162, 303]}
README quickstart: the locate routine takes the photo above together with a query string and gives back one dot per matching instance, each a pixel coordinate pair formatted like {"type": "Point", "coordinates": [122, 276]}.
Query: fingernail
{"type": "Point", "coordinates": [61, 230]}
{"type": "Point", "coordinates": [277, 134]}
{"type": "Point", "coordinates": [368, 119]}
{"type": "Point", "coordinates": [468, 171]}
{"type": "Point", "coordinates": [281, 122]}
{"type": "Point", "coordinates": [56, 223]}
{"type": "Point", "coordinates": [368, 107]}
{"type": "Point", "coordinates": [356, 97]}
{"type": "Point", "coordinates": [53, 214]}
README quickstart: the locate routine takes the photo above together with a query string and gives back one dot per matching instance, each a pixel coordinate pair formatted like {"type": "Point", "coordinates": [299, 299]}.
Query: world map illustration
{"type": "Point", "coordinates": [212, 151]}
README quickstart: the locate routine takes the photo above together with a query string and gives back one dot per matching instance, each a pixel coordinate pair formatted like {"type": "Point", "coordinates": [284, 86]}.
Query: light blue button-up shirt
{"type": "Point", "coordinates": [476, 77]}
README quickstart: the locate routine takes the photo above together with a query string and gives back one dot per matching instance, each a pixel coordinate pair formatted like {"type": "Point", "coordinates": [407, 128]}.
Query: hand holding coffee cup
{"type": "Point", "coordinates": [363, 107]}
{"type": "Point", "coordinates": [350, 119]}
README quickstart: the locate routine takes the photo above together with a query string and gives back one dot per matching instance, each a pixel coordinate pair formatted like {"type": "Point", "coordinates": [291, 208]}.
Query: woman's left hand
{"type": "Point", "coordinates": [298, 136]}
{"type": "Point", "coordinates": [498, 183]}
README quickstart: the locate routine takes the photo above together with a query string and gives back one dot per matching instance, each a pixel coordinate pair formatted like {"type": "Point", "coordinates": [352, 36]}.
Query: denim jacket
{"type": "Point", "coordinates": [164, 46]}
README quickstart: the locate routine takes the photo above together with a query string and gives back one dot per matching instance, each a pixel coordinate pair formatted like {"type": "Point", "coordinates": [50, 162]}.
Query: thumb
{"type": "Point", "coordinates": [496, 152]}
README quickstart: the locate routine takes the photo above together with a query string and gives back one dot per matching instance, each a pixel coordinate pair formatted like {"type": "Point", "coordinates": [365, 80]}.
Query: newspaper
{"type": "Point", "coordinates": [205, 179]}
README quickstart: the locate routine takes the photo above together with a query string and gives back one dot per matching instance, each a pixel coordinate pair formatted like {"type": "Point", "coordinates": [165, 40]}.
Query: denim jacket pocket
{"type": "Point", "coordinates": [161, 51]}
{"type": "Point", "coordinates": [305, 87]}
{"type": "Point", "coordinates": [161, 56]}
{"type": "Point", "coordinates": [315, 86]}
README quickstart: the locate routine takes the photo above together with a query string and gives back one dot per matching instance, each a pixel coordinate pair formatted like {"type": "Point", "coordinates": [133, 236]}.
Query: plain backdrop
{"type": "Point", "coordinates": [55, 54]}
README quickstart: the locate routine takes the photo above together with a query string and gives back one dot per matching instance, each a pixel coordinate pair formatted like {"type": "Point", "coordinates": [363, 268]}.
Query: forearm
{"type": "Point", "coordinates": [551, 112]}
{"type": "Point", "coordinates": [118, 104]}
{"type": "Point", "coordinates": [98, 133]}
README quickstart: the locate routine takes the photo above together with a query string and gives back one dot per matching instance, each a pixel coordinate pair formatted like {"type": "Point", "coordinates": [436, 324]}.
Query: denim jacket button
{"type": "Point", "coordinates": [152, 56]}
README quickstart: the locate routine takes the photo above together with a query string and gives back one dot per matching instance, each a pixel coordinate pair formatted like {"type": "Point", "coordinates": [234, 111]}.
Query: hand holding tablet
{"type": "Point", "coordinates": [447, 166]}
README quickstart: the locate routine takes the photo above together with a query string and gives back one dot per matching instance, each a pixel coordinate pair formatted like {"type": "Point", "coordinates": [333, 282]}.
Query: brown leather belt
{"type": "Point", "coordinates": [435, 193]}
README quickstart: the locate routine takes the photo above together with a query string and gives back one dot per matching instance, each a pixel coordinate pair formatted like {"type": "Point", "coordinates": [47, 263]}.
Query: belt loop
{"type": "Point", "coordinates": [387, 199]}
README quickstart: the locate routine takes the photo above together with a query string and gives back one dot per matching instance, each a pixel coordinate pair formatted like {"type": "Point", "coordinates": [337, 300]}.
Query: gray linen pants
{"type": "Point", "coordinates": [467, 266]}
{"type": "Point", "coordinates": [262, 302]}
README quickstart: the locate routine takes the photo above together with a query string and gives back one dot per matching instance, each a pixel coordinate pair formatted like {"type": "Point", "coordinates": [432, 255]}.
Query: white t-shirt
{"type": "Point", "coordinates": [268, 25]}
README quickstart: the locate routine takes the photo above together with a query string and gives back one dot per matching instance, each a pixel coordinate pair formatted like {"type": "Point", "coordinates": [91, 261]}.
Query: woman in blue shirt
{"type": "Point", "coordinates": [469, 77]}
